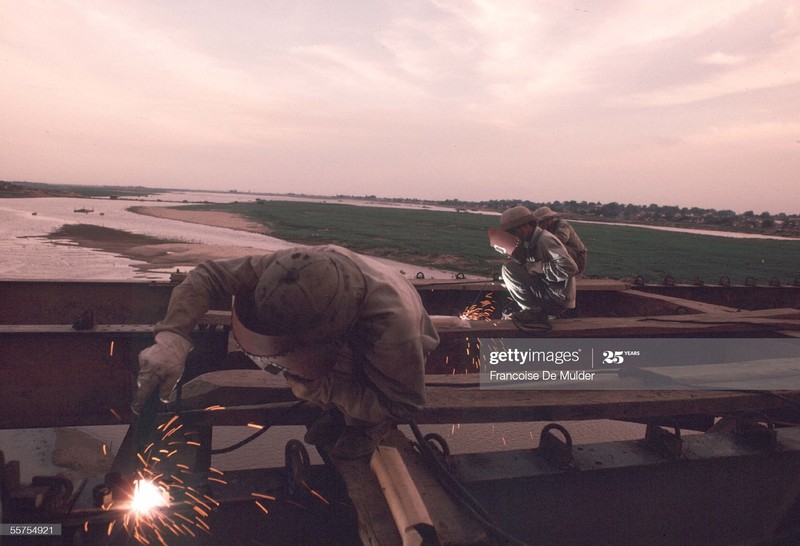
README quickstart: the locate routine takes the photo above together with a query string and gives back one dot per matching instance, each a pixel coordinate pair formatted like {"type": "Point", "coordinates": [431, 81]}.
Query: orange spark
{"type": "Point", "coordinates": [320, 497]}
{"type": "Point", "coordinates": [263, 496]}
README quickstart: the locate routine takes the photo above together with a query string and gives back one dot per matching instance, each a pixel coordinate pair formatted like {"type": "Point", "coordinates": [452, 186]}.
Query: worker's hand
{"type": "Point", "coordinates": [160, 365]}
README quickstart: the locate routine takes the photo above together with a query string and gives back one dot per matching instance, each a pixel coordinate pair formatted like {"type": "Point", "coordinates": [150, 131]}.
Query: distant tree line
{"type": "Point", "coordinates": [787, 225]}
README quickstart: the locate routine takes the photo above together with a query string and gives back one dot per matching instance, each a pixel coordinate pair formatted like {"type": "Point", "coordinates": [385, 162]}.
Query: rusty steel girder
{"type": "Point", "coordinates": [55, 376]}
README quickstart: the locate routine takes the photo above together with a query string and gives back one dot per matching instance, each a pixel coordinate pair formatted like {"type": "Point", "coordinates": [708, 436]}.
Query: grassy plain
{"type": "Point", "coordinates": [458, 241]}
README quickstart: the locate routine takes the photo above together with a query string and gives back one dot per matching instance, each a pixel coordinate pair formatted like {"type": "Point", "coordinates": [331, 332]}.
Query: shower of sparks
{"type": "Point", "coordinates": [480, 311]}
{"type": "Point", "coordinates": [477, 311]}
{"type": "Point", "coordinates": [473, 355]}
{"type": "Point", "coordinates": [161, 503]}
{"type": "Point", "coordinates": [148, 496]}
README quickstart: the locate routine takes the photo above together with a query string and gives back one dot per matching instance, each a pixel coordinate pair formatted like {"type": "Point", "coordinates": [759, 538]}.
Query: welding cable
{"type": "Point", "coordinates": [75, 496]}
{"type": "Point", "coordinates": [478, 295]}
{"type": "Point", "coordinates": [258, 433]}
{"type": "Point", "coordinates": [459, 492]}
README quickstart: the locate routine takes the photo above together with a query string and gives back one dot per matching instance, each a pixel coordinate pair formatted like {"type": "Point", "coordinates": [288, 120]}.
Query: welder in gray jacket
{"type": "Point", "coordinates": [539, 274]}
{"type": "Point", "coordinates": [551, 221]}
{"type": "Point", "coordinates": [350, 335]}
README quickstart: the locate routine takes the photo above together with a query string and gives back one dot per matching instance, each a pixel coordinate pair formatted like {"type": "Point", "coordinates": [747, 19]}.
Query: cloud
{"type": "Point", "coordinates": [721, 58]}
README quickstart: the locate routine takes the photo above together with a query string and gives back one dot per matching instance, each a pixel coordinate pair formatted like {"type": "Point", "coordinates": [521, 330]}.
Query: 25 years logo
{"type": "Point", "coordinates": [618, 357]}
{"type": "Point", "coordinates": [613, 357]}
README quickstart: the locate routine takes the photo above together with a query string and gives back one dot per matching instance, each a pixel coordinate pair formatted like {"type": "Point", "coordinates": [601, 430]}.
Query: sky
{"type": "Point", "coordinates": [685, 102]}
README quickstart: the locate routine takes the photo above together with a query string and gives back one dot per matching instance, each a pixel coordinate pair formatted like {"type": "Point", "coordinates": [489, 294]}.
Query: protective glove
{"type": "Point", "coordinates": [160, 365]}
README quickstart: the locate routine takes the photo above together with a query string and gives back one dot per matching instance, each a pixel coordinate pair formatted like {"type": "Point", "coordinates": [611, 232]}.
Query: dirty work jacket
{"type": "Point", "coordinates": [554, 288]}
{"type": "Point", "coordinates": [565, 233]}
{"type": "Point", "coordinates": [390, 340]}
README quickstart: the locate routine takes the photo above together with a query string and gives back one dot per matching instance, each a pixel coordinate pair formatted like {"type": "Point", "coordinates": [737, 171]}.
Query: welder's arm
{"type": "Point", "coordinates": [161, 365]}
{"type": "Point", "coordinates": [558, 265]}
{"type": "Point", "coordinates": [209, 281]}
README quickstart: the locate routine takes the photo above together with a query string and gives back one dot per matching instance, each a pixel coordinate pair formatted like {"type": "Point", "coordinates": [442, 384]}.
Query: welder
{"type": "Point", "coordinates": [349, 334]}
{"type": "Point", "coordinates": [552, 221]}
{"type": "Point", "coordinates": [538, 272]}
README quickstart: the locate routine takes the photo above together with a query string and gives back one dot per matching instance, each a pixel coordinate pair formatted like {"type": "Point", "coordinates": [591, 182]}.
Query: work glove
{"type": "Point", "coordinates": [160, 365]}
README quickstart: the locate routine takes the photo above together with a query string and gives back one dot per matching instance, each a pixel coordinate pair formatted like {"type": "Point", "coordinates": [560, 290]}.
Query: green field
{"type": "Point", "coordinates": [457, 241]}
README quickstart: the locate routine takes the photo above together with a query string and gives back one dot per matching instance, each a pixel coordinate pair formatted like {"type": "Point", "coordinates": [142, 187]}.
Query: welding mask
{"type": "Point", "coordinates": [280, 353]}
{"type": "Point", "coordinates": [506, 244]}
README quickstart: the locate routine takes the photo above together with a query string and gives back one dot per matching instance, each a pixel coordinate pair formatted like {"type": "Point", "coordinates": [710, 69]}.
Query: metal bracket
{"type": "Point", "coordinates": [554, 449]}
{"type": "Point", "coordinates": [297, 464]}
{"type": "Point", "coordinates": [439, 447]}
{"type": "Point", "coordinates": [750, 431]}
{"type": "Point", "coordinates": [663, 442]}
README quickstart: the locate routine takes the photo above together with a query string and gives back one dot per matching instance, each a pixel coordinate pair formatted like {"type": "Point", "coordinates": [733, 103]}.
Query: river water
{"type": "Point", "coordinates": [25, 253]}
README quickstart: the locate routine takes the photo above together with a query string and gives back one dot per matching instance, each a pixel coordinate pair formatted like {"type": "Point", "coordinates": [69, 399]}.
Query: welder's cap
{"type": "Point", "coordinates": [305, 300]}
{"type": "Point", "coordinates": [515, 216]}
{"type": "Point", "coordinates": [309, 294]}
{"type": "Point", "coordinates": [543, 213]}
